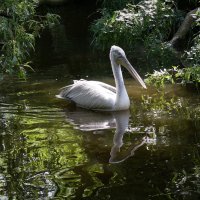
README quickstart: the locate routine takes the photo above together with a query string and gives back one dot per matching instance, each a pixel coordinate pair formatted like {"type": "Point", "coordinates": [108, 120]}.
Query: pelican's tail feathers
{"type": "Point", "coordinates": [67, 91]}
{"type": "Point", "coordinates": [64, 92]}
{"type": "Point", "coordinates": [66, 87]}
{"type": "Point", "coordinates": [59, 97]}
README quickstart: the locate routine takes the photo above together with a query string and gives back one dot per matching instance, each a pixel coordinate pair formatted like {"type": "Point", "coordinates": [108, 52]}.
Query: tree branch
{"type": "Point", "coordinates": [184, 28]}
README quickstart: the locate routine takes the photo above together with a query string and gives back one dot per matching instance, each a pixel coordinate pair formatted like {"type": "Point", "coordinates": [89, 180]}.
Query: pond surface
{"type": "Point", "coordinates": [49, 149]}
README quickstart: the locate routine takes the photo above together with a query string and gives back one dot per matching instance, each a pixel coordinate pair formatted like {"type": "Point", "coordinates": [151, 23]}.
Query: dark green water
{"type": "Point", "coordinates": [50, 149]}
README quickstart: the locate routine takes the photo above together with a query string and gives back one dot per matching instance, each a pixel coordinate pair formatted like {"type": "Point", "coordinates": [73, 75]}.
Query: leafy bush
{"type": "Point", "coordinates": [159, 78]}
{"type": "Point", "coordinates": [192, 55]}
{"type": "Point", "coordinates": [148, 24]}
{"type": "Point", "coordinates": [175, 75]}
{"type": "Point", "coordinates": [18, 28]}
{"type": "Point", "coordinates": [112, 5]}
{"type": "Point", "coordinates": [186, 75]}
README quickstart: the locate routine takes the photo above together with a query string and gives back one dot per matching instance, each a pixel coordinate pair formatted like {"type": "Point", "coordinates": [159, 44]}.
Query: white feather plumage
{"type": "Point", "coordinates": [90, 94]}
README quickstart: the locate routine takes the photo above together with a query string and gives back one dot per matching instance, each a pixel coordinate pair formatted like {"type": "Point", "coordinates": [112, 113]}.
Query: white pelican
{"type": "Point", "coordinates": [96, 95]}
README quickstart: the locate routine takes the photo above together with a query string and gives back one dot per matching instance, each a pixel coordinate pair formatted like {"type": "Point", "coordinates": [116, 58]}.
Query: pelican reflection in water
{"type": "Point", "coordinates": [97, 95]}
{"type": "Point", "coordinates": [86, 120]}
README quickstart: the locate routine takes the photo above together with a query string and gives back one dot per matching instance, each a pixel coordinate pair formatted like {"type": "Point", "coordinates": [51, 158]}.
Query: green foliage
{"type": "Point", "coordinates": [187, 74]}
{"type": "Point", "coordinates": [167, 103]}
{"type": "Point", "coordinates": [18, 32]}
{"type": "Point", "coordinates": [175, 75]}
{"type": "Point", "coordinates": [147, 23]}
{"type": "Point", "coordinates": [115, 4]}
{"type": "Point", "coordinates": [192, 55]}
{"type": "Point", "coordinates": [159, 78]}
{"type": "Point", "coordinates": [158, 103]}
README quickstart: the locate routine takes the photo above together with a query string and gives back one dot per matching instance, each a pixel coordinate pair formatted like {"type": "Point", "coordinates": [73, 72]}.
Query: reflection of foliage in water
{"type": "Point", "coordinates": [34, 150]}
{"type": "Point", "coordinates": [171, 106]}
{"type": "Point", "coordinates": [183, 181]}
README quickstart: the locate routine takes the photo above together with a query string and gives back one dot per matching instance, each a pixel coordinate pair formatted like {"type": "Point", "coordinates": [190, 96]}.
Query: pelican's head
{"type": "Point", "coordinates": [118, 56]}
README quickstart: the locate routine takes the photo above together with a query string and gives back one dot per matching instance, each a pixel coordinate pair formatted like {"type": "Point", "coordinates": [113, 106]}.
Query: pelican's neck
{"type": "Point", "coordinates": [122, 99]}
{"type": "Point", "coordinates": [117, 72]}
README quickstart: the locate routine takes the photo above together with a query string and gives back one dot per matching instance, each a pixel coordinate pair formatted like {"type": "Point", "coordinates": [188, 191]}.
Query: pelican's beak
{"type": "Point", "coordinates": [132, 71]}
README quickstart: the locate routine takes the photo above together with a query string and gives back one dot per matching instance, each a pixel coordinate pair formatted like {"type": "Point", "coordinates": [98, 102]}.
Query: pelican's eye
{"type": "Point", "coordinates": [118, 54]}
{"type": "Point", "coordinates": [119, 58]}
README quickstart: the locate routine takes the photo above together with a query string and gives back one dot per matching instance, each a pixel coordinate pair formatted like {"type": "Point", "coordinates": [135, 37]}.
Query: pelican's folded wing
{"type": "Point", "coordinates": [109, 87]}
{"type": "Point", "coordinates": [90, 94]}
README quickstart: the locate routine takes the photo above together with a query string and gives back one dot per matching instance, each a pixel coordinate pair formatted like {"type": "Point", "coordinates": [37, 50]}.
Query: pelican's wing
{"type": "Point", "coordinates": [89, 94]}
{"type": "Point", "coordinates": [109, 87]}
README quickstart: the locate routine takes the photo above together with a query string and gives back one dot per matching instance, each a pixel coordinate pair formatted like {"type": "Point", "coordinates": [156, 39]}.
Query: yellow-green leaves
{"type": "Point", "coordinates": [18, 34]}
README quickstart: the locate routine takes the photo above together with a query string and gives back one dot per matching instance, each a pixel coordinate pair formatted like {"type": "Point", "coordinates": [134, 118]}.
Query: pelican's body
{"type": "Point", "coordinates": [97, 95]}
